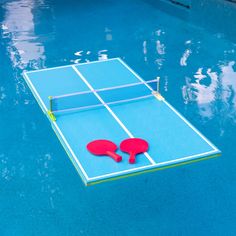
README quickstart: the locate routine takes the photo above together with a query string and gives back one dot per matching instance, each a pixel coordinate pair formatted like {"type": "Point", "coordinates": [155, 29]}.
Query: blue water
{"type": "Point", "coordinates": [40, 190]}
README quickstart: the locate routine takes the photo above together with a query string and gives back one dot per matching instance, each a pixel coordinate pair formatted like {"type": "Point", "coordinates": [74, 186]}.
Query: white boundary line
{"type": "Point", "coordinates": [154, 166]}
{"type": "Point", "coordinates": [58, 67]}
{"type": "Point", "coordinates": [58, 129]}
{"type": "Point", "coordinates": [173, 109]}
{"type": "Point", "coordinates": [109, 109]}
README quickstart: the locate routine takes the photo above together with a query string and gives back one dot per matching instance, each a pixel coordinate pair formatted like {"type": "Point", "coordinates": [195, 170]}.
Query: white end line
{"type": "Point", "coordinates": [160, 164]}
{"type": "Point", "coordinates": [58, 67]}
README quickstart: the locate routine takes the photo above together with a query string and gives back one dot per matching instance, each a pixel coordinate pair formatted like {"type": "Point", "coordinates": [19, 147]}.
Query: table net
{"type": "Point", "coordinates": [94, 99]}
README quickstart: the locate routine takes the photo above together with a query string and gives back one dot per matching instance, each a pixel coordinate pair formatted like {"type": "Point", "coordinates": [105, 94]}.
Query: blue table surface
{"type": "Point", "coordinates": [171, 138]}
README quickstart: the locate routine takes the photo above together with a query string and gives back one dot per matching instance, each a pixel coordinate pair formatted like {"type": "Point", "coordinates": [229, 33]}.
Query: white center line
{"type": "Point", "coordinates": [109, 109]}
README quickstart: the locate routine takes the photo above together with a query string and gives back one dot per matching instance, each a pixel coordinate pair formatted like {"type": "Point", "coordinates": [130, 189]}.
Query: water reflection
{"type": "Point", "coordinates": [2, 94]}
{"type": "Point", "coordinates": [102, 55]}
{"type": "Point", "coordinates": [145, 50]}
{"type": "Point", "coordinates": [160, 47]}
{"type": "Point", "coordinates": [228, 78]}
{"type": "Point", "coordinates": [108, 33]}
{"type": "Point", "coordinates": [208, 88]}
{"type": "Point", "coordinates": [87, 56]}
{"type": "Point", "coordinates": [24, 48]}
{"type": "Point", "coordinates": [184, 58]}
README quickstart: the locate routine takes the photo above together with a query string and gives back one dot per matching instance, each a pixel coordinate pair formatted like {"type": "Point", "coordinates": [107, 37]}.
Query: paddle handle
{"type": "Point", "coordinates": [132, 158]}
{"type": "Point", "coordinates": [115, 156]}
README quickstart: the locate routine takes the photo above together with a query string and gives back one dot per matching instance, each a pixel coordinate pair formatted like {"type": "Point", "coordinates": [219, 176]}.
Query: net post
{"type": "Point", "coordinates": [50, 112]}
{"type": "Point", "coordinates": [157, 92]}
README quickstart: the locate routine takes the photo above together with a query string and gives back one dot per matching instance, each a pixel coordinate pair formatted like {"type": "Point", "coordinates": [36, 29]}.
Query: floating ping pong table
{"type": "Point", "coordinates": [116, 104]}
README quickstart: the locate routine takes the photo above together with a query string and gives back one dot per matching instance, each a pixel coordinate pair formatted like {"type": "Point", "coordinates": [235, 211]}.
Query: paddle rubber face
{"type": "Point", "coordinates": [104, 147]}
{"type": "Point", "coordinates": [133, 146]}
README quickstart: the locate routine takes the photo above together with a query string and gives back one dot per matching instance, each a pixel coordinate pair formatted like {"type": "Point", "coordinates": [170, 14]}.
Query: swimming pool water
{"type": "Point", "coordinates": [41, 192]}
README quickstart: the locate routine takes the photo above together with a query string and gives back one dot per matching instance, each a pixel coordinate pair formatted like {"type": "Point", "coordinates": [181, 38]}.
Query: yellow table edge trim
{"type": "Point", "coordinates": [153, 170]}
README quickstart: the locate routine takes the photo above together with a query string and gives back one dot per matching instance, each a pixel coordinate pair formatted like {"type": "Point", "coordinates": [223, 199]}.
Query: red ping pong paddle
{"type": "Point", "coordinates": [133, 146]}
{"type": "Point", "coordinates": [104, 148]}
